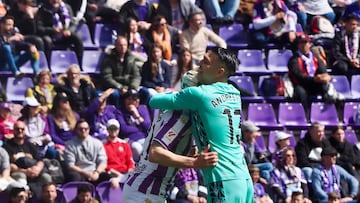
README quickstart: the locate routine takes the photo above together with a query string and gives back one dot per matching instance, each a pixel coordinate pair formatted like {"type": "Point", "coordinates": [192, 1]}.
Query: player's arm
{"type": "Point", "coordinates": [185, 99]}
{"type": "Point", "coordinates": [158, 154]}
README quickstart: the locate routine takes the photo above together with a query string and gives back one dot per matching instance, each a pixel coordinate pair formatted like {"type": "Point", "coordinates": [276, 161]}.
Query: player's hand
{"type": "Point", "coordinates": [206, 158]}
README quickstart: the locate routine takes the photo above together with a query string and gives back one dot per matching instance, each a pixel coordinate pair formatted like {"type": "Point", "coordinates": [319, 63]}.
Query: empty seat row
{"type": "Point", "coordinates": [292, 116]}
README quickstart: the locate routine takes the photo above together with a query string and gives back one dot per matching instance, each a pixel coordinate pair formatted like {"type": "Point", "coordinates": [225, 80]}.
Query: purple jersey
{"type": "Point", "coordinates": [171, 129]}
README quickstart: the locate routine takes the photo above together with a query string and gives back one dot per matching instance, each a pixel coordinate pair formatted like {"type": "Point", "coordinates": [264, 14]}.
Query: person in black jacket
{"type": "Point", "coordinates": [308, 149]}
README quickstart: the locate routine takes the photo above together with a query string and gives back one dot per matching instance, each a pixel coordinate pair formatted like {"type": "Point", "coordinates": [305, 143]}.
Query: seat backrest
{"type": "Point", "coordinates": [291, 114]}
{"type": "Point", "coordinates": [349, 110]}
{"type": "Point", "coordinates": [262, 114]}
{"type": "Point", "coordinates": [91, 61]}
{"type": "Point", "coordinates": [261, 143]}
{"type": "Point", "coordinates": [355, 86]}
{"type": "Point", "coordinates": [324, 113]}
{"type": "Point", "coordinates": [243, 82]}
{"type": "Point", "coordinates": [350, 136]}
{"type": "Point", "coordinates": [303, 133]}
{"type": "Point", "coordinates": [70, 189]}
{"type": "Point", "coordinates": [277, 60]}
{"type": "Point", "coordinates": [271, 140]}
{"type": "Point", "coordinates": [61, 60]}
{"type": "Point", "coordinates": [251, 58]}
{"type": "Point", "coordinates": [16, 88]}
{"type": "Point", "coordinates": [84, 33]}
{"type": "Point", "coordinates": [43, 64]}
{"type": "Point", "coordinates": [230, 32]}
{"type": "Point", "coordinates": [105, 33]}
{"type": "Point", "coordinates": [341, 84]}
{"type": "Point", "coordinates": [107, 194]}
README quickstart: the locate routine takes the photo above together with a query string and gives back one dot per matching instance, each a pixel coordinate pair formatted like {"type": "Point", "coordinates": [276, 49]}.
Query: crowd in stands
{"type": "Point", "coordinates": [93, 125]}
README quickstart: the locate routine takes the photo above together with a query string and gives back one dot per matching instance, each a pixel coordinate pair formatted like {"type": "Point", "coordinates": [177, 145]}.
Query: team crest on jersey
{"type": "Point", "coordinates": [169, 137]}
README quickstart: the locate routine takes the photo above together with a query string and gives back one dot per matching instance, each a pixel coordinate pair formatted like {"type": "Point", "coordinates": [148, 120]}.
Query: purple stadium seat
{"type": "Point", "coordinates": [270, 99]}
{"type": "Point", "coordinates": [16, 88]}
{"type": "Point", "coordinates": [271, 140]}
{"type": "Point", "coordinates": [263, 115]}
{"type": "Point", "coordinates": [91, 61]}
{"type": "Point", "coordinates": [292, 116]}
{"type": "Point", "coordinates": [69, 189]}
{"type": "Point", "coordinates": [324, 113]}
{"type": "Point", "coordinates": [84, 33]}
{"type": "Point", "coordinates": [277, 60]}
{"type": "Point", "coordinates": [355, 86]}
{"type": "Point", "coordinates": [341, 84]}
{"type": "Point", "coordinates": [104, 33]}
{"type": "Point", "coordinates": [252, 62]}
{"type": "Point", "coordinates": [303, 133]}
{"type": "Point", "coordinates": [350, 136]}
{"type": "Point", "coordinates": [261, 143]}
{"type": "Point", "coordinates": [235, 36]}
{"type": "Point", "coordinates": [26, 68]}
{"type": "Point", "coordinates": [61, 60]}
{"type": "Point", "coordinates": [299, 28]}
{"type": "Point", "coordinates": [107, 194]}
{"type": "Point", "coordinates": [246, 83]}
{"type": "Point", "coordinates": [349, 110]}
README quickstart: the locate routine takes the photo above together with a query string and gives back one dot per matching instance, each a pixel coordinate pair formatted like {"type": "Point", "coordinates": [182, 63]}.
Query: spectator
{"type": "Point", "coordinates": [8, 39]}
{"type": "Point", "coordinates": [55, 24]}
{"type": "Point", "coordinates": [134, 37]}
{"type": "Point", "coordinates": [327, 177]}
{"type": "Point", "coordinates": [84, 195]}
{"type": "Point", "coordinates": [319, 7]}
{"type": "Point", "coordinates": [223, 11]}
{"type": "Point", "coordinates": [120, 70]}
{"type": "Point", "coordinates": [309, 76]}
{"type": "Point", "coordinates": [346, 47]}
{"type": "Point", "coordinates": [19, 194]}
{"type": "Point", "coordinates": [184, 64]}
{"type": "Point", "coordinates": [254, 155]}
{"type": "Point", "coordinates": [48, 193]}
{"type": "Point", "coordinates": [287, 178]}
{"type": "Point", "coordinates": [44, 92]}
{"type": "Point", "coordinates": [118, 152]}
{"type": "Point", "coordinates": [282, 141]}
{"type": "Point", "coordinates": [346, 157]}
{"type": "Point", "coordinates": [25, 160]}
{"type": "Point", "coordinates": [5, 178]}
{"type": "Point", "coordinates": [259, 190]}
{"type": "Point", "coordinates": [135, 122]}
{"type": "Point", "coordinates": [197, 37]}
{"type": "Point", "coordinates": [142, 11]}
{"type": "Point", "coordinates": [24, 14]}
{"type": "Point", "coordinates": [308, 149]}
{"type": "Point", "coordinates": [177, 12]}
{"type": "Point", "coordinates": [273, 22]}
{"type": "Point", "coordinates": [6, 121]}
{"type": "Point", "coordinates": [77, 86]}
{"type": "Point", "coordinates": [333, 197]}
{"type": "Point", "coordinates": [37, 128]}
{"type": "Point", "coordinates": [62, 120]}
{"type": "Point", "coordinates": [98, 113]}
{"type": "Point", "coordinates": [297, 197]}
{"type": "Point", "coordinates": [155, 74]}
{"type": "Point", "coordinates": [85, 156]}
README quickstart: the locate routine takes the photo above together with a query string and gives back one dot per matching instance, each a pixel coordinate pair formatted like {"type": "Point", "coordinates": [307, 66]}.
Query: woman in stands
{"type": "Point", "coordinates": [43, 92]}
{"type": "Point", "coordinates": [184, 64]}
{"type": "Point", "coordinates": [62, 120]}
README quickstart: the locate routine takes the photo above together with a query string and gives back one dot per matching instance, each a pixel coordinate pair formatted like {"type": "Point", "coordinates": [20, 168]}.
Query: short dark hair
{"type": "Point", "coordinates": [84, 188]}
{"type": "Point", "coordinates": [7, 17]}
{"type": "Point", "coordinates": [296, 193]}
{"type": "Point", "coordinates": [228, 57]}
{"type": "Point", "coordinates": [351, 17]}
{"type": "Point", "coordinates": [48, 184]}
{"type": "Point", "coordinates": [81, 120]}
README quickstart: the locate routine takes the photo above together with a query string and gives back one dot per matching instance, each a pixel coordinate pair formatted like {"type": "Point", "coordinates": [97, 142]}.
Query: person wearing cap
{"type": "Point", "coordinates": [309, 76]}
{"type": "Point", "coordinates": [308, 148]}
{"type": "Point", "coordinates": [253, 152]}
{"type": "Point", "coordinates": [6, 121]}
{"type": "Point", "coordinates": [282, 141]}
{"type": "Point", "coordinates": [119, 154]}
{"type": "Point", "coordinates": [85, 156]}
{"type": "Point", "coordinates": [328, 177]}
{"type": "Point", "coordinates": [169, 142]}
{"type": "Point", "coordinates": [215, 108]}
{"type": "Point", "coordinates": [62, 120]}
{"type": "Point", "coordinates": [37, 129]}
{"type": "Point", "coordinates": [135, 121]}
{"type": "Point", "coordinates": [25, 159]}
{"type": "Point", "coordinates": [98, 113]}
{"type": "Point", "coordinates": [287, 178]}
{"type": "Point", "coordinates": [44, 92]}
{"type": "Point", "coordinates": [346, 47]}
